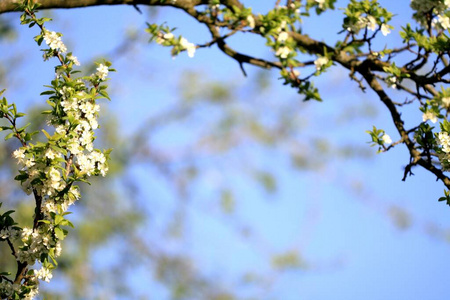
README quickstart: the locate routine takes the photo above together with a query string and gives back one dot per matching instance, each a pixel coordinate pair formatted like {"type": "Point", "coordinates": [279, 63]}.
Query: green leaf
{"type": "Point", "coordinates": [58, 219]}
{"type": "Point", "coordinates": [48, 93]}
{"type": "Point", "coordinates": [9, 135]}
{"type": "Point", "coordinates": [60, 233]}
{"type": "Point", "coordinates": [46, 134]}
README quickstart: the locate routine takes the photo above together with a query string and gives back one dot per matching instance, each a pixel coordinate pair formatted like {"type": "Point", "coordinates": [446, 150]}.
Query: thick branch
{"type": "Point", "coordinates": [10, 5]}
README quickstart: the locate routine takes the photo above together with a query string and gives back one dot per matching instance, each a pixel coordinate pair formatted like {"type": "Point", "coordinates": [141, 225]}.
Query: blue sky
{"type": "Point", "coordinates": [337, 218]}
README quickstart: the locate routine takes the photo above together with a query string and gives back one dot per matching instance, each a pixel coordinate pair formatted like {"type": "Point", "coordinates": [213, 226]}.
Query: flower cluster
{"type": "Point", "coordinates": [36, 242]}
{"type": "Point", "coordinates": [53, 40]}
{"type": "Point", "coordinates": [370, 23]}
{"type": "Point", "coordinates": [50, 170]}
{"type": "Point", "coordinates": [9, 232]}
{"type": "Point", "coordinates": [443, 140]}
{"type": "Point", "coordinates": [163, 36]}
{"type": "Point", "coordinates": [441, 21]}
{"type": "Point", "coordinates": [102, 72]}
{"type": "Point", "coordinates": [424, 7]}
{"type": "Point", "coordinates": [8, 289]}
{"type": "Point", "coordinates": [366, 15]}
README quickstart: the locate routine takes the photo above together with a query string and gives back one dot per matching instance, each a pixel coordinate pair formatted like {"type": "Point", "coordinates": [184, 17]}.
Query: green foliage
{"type": "Point", "coordinates": [446, 197]}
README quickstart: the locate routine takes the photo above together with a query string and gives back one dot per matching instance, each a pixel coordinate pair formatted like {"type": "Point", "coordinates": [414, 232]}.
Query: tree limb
{"type": "Point", "coordinates": [10, 5]}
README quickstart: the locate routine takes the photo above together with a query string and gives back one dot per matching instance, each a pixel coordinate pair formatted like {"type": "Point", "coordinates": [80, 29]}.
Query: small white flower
{"type": "Point", "coordinates": [429, 115]}
{"type": "Point", "coordinates": [392, 81]}
{"type": "Point", "coordinates": [74, 59]}
{"type": "Point", "coordinates": [102, 71]}
{"type": "Point", "coordinates": [444, 21]}
{"type": "Point", "coordinates": [385, 29]}
{"type": "Point", "coordinates": [60, 129]}
{"type": "Point", "coordinates": [168, 36]}
{"type": "Point", "coordinates": [386, 139]}
{"type": "Point", "coordinates": [371, 23]}
{"type": "Point", "coordinates": [54, 175]}
{"type": "Point", "coordinates": [189, 47]}
{"type": "Point", "coordinates": [26, 232]}
{"type": "Point", "coordinates": [282, 37]}
{"type": "Point", "coordinates": [5, 233]}
{"type": "Point", "coordinates": [251, 21]}
{"type": "Point", "coordinates": [29, 162]}
{"type": "Point", "coordinates": [50, 154]}
{"type": "Point", "coordinates": [283, 52]}
{"type": "Point", "coordinates": [321, 2]}
{"type": "Point", "coordinates": [446, 100]}
{"type": "Point", "coordinates": [320, 62]}
{"type": "Point", "coordinates": [75, 192]}
{"type": "Point", "coordinates": [19, 154]}
{"type": "Point", "coordinates": [58, 249]}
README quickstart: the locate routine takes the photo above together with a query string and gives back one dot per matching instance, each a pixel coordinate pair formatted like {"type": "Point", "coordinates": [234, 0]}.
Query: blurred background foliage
{"type": "Point", "coordinates": [192, 158]}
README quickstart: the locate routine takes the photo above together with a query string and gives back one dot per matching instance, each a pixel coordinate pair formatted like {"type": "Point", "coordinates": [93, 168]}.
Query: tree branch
{"type": "Point", "coordinates": [10, 5]}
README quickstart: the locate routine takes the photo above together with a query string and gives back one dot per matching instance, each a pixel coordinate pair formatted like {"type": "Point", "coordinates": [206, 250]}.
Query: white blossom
{"type": "Point", "coordinates": [189, 47]}
{"type": "Point", "coordinates": [43, 274]}
{"type": "Point", "coordinates": [385, 29]}
{"type": "Point", "coordinates": [446, 100]}
{"type": "Point", "coordinates": [86, 165]}
{"type": "Point", "coordinates": [30, 162]}
{"type": "Point", "coordinates": [58, 249]}
{"type": "Point", "coordinates": [60, 129]}
{"type": "Point", "coordinates": [320, 62]}
{"type": "Point", "coordinates": [19, 154]}
{"type": "Point", "coordinates": [386, 139]}
{"type": "Point", "coordinates": [251, 21]}
{"type": "Point", "coordinates": [283, 52]}
{"type": "Point", "coordinates": [429, 115]}
{"type": "Point", "coordinates": [102, 71]}
{"type": "Point", "coordinates": [442, 21]}
{"type": "Point", "coordinates": [392, 81]}
{"type": "Point", "coordinates": [320, 2]}
{"type": "Point", "coordinates": [282, 37]}
{"type": "Point", "coordinates": [75, 192]}
{"type": "Point", "coordinates": [53, 40]}
{"type": "Point", "coordinates": [8, 232]}
{"type": "Point", "coordinates": [444, 141]}
{"type": "Point", "coordinates": [50, 154]}
{"type": "Point", "coordinates": [371, 23]}
{"type": "Point", "coordinates": [74, 59]}
{"type": "Point", "coordinates": [168, 36]}
{"type": "Point", "coordinates": [54, 175]}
